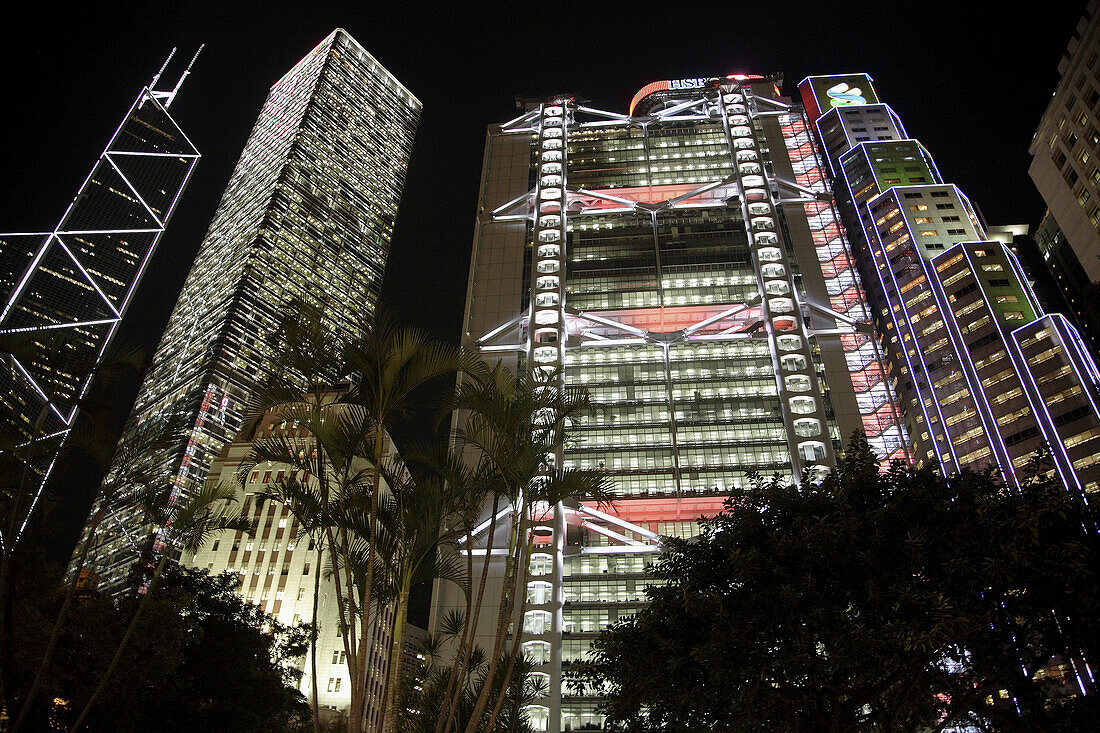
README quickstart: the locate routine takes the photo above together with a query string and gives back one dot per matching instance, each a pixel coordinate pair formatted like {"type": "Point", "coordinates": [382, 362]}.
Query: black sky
{"type": "Point", "coordinates": [970, 80]}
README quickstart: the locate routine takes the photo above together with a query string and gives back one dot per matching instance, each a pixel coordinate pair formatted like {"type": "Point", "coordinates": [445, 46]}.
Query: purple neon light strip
{"type": "Point", "coordinates": [1046, 423]}
{"type": "Point", "coordinates": [996, 440]}
{"type": "Point", "coordinates": [872, 241]}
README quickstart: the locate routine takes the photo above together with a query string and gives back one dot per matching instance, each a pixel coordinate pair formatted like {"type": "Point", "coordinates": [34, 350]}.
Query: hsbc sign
{"type": "Point", "coordinates": [687, 83]}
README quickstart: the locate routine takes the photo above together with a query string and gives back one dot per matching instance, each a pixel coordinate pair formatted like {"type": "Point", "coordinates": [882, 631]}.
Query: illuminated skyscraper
{"type": "Point", "coordinates": [1065, 167]}
{"type": "Point", "coordinates": [67, 290]}
{"type": "Point", "coordinates": [685, 263]}
{"type": "Point", "coordinates": [307, 216]}
{"type": "Point", "coordinates": [984, 376]}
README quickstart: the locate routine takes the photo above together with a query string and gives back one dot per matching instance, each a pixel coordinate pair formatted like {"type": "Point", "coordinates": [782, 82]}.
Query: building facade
{"type": "Point", "coordinates": [984, 376]}
{"type": "Point", "coordinates": [279, 566]}
{"type": "Point", "coordinates": [67, 290]}
{"type": "Point", "coordinates": [1065, 168]}
{"type": "Point", "coordinates": [307, 218]}
{"type": "Point", "coordinates": [685, 263]}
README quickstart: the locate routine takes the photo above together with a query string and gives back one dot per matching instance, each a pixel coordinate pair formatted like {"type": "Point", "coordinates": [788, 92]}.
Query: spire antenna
{"type": "Point", "coordinates": [184, 75]}
{"type": "Point", "coordinates": [156, 77]}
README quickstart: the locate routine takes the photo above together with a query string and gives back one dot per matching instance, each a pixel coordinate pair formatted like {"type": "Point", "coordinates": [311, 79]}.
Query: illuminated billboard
{"type": "Point", "coordinates": [822, 93]}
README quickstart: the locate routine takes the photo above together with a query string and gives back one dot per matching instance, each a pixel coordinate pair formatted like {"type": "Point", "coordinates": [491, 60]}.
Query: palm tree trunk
{"type": "Point", "coordinates": [313, 638]}
{"type": "Point", "coordinates": [346, 629]}
{"type": "Point", "coordinates": [505, 608]}
{"type": "Point", "coordinates": [121, 645]}
{"type": "Point", "coordinates": [55, 633]}
{"type": "Point", "coordinates": [354, 653]}
{"type": "Point", "coordinates": [457, 682]}
{"type": "Point", "coordinates": [523, 571]}
{"type": "Point", "coordinates": [372, 548]}
{"type": "Point", "coordinates": [389, 714]}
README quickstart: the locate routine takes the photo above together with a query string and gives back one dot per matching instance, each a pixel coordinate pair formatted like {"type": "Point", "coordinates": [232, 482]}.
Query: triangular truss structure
{"type": "Point", "coordinates": [64, 291]}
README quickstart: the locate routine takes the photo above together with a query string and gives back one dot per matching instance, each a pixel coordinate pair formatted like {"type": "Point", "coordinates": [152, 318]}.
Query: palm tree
{"type": "Point", "coordinates": [306, 506]}
{"type": "Point", "coordinates": [391, 363]}
{"type": "Point", "coordinates": [186, 526]}
{"type": "Point", "coordinates": [416, 520]}
{"type": "Point", "coordinates": [426, 693]}
{"type": "Point", "coordinates": [387, 364]}
{"type": "Point", "coordinates": [517, 424]}
{"type": "Point", "coordinates": [328, 478]}
{"type": "Point", "coordinates": [307, 359]}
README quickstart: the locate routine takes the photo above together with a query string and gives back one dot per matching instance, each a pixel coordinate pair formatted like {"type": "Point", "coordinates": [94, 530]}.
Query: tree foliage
{"type": "Point", "coordinates": [867, 601]}
{"type": "Point", "coordinates": [206, 659]}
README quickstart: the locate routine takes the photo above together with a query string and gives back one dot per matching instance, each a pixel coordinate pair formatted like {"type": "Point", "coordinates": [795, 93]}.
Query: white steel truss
{"type": "Point", "coordinates": [72, 285]}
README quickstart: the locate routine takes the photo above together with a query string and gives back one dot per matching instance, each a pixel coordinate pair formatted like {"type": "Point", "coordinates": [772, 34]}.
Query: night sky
{"type": "Point", "coordinates": [970, 80]}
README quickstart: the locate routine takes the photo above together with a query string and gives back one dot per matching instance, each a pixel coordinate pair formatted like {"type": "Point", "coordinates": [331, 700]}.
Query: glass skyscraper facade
{"type": "Point", "coordinates": [66, 290]}
{"type": "Point", "coordinates": [307, 217]}
{"type": "Point", "coordinates": [685, 263]}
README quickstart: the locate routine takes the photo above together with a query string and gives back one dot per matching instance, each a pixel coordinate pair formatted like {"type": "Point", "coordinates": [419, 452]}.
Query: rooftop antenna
{"type": "Point", "coordinates": [166, 98]}
{"type": "Point", "coordinates": [185, 73]}
{"type": "Point", "coordinates": [156, 77]}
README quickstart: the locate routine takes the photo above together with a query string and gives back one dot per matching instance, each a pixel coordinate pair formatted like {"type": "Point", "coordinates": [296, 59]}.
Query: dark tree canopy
{"type": "Point", "coordinates": [203, 658]}
{"type": "Point", "coordinates": [868, 601]}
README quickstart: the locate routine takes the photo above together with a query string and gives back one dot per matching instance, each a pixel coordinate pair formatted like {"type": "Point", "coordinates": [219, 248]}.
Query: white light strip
{"type": "Point", "coordinates": [702, 189]}
{"type": "Point", "coordinates": [619, 522]}
{"type": "Point", "coordinates": [620, 550]}
{"type": "Point", "coordinates": [18, 289]}
{"type": "Point", "coordinates": [602, 341]}
{"type": "Point", "coordinates": [608, 197]}
{"type": "Point", "coordinates": [707, 321]}
{"type": "Point", "coordinates": [510, 204]}
{"type": "Point", "coordinates": [829, 312]}
{"type": "Point", "coordinates": [155, 155]}
{"type": "Point", "coordinates": [485, 525]}
{"type": "Point", "coordinates": [140, 198]}
{"type": "Point", "coordinates": [606, 322]}
{"type": "Point", "coordinates": [604, 113]}
{"type": "Point", "coordinates": [721, 337]}
{"type": "Point", "coordinates": [500, 329]}
{"type": "Point", "coordinates": [669, 112]}
{"type": "Point", "coordinates": [527, 117]}
{"type": "Point", "coordinates": [89, 278]}
{"type": "Point", "coordinates": [613, 535]}
{"type": "Point", "coordinates": [108, 231]}
{"type": "Point", "coordinates": [503, 347]}
{"type": "Point", "coordinates": [76, 324]}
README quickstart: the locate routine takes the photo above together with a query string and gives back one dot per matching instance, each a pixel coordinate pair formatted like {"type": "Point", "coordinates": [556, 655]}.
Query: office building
{"type": "Point", "coordinates": [984, 376]}
{"type": "Point", "coordinates": [684, 262]}
{"type": "Point", "coordinates": [279, 564]}
{"type": "Point", "coordinates": [66, 290]}
{"type": "Point", "coordinates": [307, 218]}
{"type": "Point", "coordinates": [1065, 168]}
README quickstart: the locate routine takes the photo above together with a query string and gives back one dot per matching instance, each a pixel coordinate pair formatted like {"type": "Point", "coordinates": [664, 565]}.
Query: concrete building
{"type": "Point", "coordinates": [279, 565]}
{"type": "Point", "coordinates": [1066, 169]}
